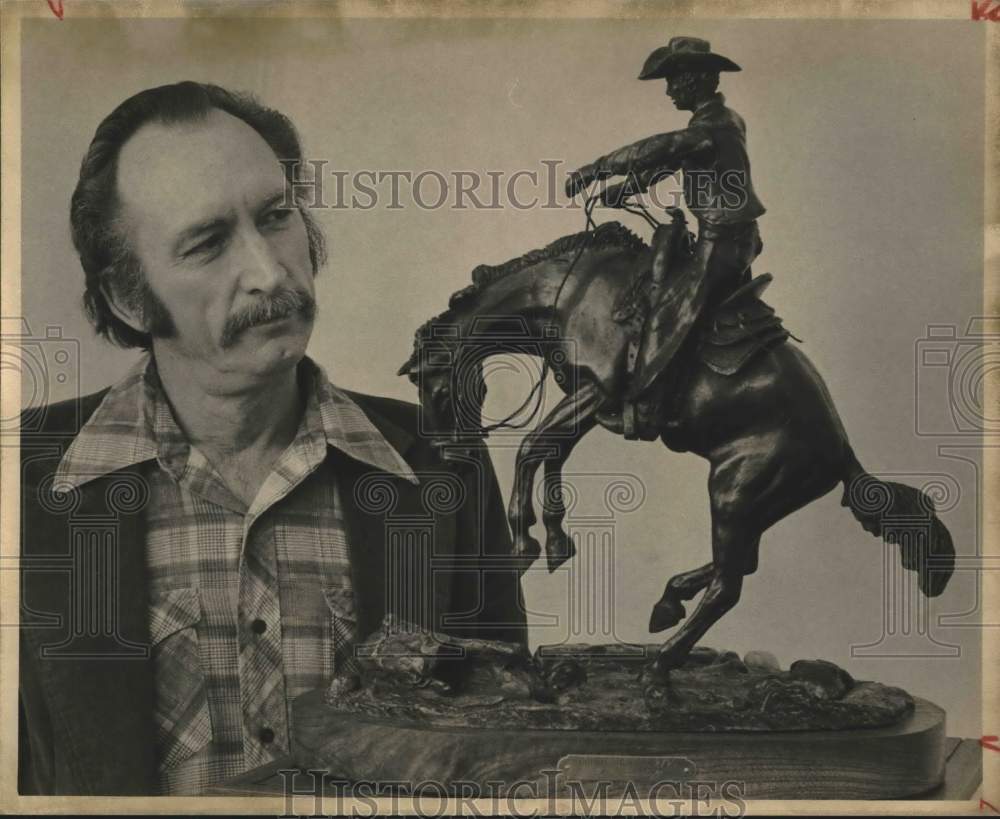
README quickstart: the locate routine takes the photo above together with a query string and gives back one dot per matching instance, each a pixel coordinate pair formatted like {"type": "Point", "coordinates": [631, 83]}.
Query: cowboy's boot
{"type": "Point", "coordinates": [634, 418]}
{"type": "Point", "coordinates": [620, 420]}
{"type": "Point", "coordinates": [643, 404]}
{"type": "Point", "coordinates": [649, 412]}
{"type": "Point", "coordinates": [642, 418]}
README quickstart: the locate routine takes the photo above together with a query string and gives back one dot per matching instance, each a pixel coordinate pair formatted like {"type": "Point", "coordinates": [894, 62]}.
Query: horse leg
{"type": "Point", "coordinates": [669, 611]}
{"type": "Point", "coordinates": [756, 483]}
{"type": "Point", "coordinates": [730, 547]}
{"type": "Point", "coordinates": [558, 545]}
{"type": "Point", "coordinates": [521, 511]}
{"type": "Point", "coordinates": [536, 447]}
{"type": "Point", "coordinates": [750, 475]}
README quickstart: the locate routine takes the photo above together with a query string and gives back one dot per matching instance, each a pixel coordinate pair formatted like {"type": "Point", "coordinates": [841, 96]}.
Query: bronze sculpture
{"type": "Point", "coordinates": [672, 341]}
{"type": "Point", "coordinates": [738, 393]}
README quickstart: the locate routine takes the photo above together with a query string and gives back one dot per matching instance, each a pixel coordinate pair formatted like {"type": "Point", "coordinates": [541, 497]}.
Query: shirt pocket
{"type": "Point", "coordinates": [181, 714]}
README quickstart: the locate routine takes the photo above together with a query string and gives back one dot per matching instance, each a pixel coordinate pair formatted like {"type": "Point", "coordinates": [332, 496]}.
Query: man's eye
{"type": "Point", "coordinates": [278, 216]}
{"type": "Point", "coordinates": [209, 245]}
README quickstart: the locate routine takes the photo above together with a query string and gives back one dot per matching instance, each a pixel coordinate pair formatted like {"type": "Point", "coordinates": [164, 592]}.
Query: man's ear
{"type": "Point", "coordinates": [132, 317]}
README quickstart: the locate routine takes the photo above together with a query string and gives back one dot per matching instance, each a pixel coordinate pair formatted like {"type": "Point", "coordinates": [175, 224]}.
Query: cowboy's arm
{"type": "Point", "coordinates": [655, 156]}
{"type": "Point", "coordinates": [659, 153]}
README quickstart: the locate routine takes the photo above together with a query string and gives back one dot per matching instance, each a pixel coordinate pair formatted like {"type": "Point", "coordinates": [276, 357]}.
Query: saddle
{"type": "Point", "coordinates": [730, 335]}
{"type": "Point", "coordinates": [739, 328]}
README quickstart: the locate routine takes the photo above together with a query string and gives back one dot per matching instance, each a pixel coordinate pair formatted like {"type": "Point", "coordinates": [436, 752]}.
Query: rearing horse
{"type": "Point", "coordinates": [770, 432]}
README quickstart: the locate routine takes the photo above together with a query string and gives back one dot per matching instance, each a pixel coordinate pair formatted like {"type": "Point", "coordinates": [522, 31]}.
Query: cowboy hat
{"type": "Point", "coordinates": [684, 54]}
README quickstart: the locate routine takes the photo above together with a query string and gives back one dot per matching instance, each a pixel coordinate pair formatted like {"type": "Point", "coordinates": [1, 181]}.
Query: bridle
{"type": "Point", "coordinates": [537, 393]}
{"type": "Point", "coordinates": [538, 389]}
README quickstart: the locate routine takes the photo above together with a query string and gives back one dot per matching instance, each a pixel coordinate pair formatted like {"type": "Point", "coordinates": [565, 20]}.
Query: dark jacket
{"type": "Point", "coordinates": [86, 678]}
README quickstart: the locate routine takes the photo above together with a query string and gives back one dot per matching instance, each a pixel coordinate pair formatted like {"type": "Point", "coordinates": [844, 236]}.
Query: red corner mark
{"type": "Point", "coordinates": [57, 7]}
{"type": "Point", "coordinates": [991, 807]}
{"type": "Point", "coordinates": [985, 10]}
{"type": "Point", "coordinates": [987, 742]}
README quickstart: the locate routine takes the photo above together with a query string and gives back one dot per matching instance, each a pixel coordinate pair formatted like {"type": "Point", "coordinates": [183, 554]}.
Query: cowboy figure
{"type": "Point", "coordinates": [718, 191]}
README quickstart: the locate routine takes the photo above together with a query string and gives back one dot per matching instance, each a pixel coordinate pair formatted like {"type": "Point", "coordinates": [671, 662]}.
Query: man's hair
{"type": "Point", "coordinates": [98, 235]}
{"type": "Point", "coordinates": [701, 82]}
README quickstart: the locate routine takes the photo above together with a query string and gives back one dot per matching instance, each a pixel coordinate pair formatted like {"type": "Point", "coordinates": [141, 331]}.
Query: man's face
{"type": "Point", "coordinates": [202, 207]}
{"type": "Point", "coordinates": [681, 89]}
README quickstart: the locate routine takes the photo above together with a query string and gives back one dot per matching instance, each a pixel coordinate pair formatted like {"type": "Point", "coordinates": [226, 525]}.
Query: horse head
{"type": "Point", "coordinates": [500, 311]}
{"type": "Point", "coordinates": [448, 374]}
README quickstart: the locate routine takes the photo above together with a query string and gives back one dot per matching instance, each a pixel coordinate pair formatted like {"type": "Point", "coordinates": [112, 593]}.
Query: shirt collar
{"type": "Point", "coordinates": [716, 99]}
{"type": "Point", "coordinates": [349, 429]}
{"type": "Point", "coordinates": [117, 435]}
{"type": "Point", "coordinates": [134, 424]}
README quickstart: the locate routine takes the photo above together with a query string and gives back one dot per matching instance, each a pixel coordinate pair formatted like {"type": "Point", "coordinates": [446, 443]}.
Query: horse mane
{"type": "Point", "coordinates": [607, 234]}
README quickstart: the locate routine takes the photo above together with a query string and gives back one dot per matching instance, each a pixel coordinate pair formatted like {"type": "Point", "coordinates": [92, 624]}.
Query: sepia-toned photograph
{"type": "Point", "coordinates": [488, 410]}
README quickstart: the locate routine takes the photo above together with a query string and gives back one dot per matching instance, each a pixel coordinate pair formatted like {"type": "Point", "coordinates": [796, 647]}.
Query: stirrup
{"type": "Point", "coordinates": [630, 421]}
{"type": "Point", "coordinates": [624, 422]}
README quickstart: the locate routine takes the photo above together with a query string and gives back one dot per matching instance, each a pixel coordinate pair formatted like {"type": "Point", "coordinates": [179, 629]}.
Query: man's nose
{"type": "Point", "coordinates": [259, 268]}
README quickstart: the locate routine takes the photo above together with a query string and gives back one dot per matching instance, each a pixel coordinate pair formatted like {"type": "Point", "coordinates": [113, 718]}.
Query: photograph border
{"type": "Point", "coordinates": [13, 13]}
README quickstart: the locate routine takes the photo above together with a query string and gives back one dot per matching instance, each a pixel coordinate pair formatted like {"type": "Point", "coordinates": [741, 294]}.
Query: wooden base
{"type": "Point", "coordinates": [899, 762]}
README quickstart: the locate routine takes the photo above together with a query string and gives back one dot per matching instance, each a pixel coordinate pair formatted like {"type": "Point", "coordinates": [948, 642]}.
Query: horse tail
{"type": "Point", "coordinates": [925, 544]}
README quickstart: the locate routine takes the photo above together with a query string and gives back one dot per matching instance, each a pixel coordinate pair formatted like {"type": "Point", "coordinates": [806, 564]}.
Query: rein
{"type": "Point", "coordinates": [538, 389]}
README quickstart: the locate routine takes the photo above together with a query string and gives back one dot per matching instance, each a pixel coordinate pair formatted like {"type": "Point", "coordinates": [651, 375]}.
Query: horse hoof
{"type": "Point", "coordinates": [665, 614]}
{"type": "Point", "coordinates": [653, 677]}
{"type": "Point", "coordinates": [559, 548]}
{"type": "Point", "coordinates": [667, 660]}
{"type": "Point", "coordinates": [527, 548]}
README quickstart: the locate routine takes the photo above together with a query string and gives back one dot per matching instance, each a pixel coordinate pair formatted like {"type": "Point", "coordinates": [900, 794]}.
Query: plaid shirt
{"type": "Point", "coordinates": [248, 606]}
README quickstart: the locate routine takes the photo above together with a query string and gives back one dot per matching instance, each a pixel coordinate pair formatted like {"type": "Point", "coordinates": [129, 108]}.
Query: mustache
{"type": "Point", "coordinates": [282, 304]}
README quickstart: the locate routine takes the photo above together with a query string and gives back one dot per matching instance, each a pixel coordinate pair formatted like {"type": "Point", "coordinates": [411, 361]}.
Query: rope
{"type": "Point", "coordinates": [538, 389]}
{"type": "Point", "coordinates": [537, 393]}
{"type": "Point", "coordinates": [639, 209]}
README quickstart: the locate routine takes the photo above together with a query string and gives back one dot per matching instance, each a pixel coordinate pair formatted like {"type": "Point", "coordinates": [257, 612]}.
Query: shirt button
{"type": "Point", "coordinates": [266, 736]}
{"type": "Point", "coordinates": [258, 626]}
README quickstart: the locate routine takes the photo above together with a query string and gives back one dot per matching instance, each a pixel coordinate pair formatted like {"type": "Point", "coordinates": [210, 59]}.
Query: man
{"type": "Point", "coordinates": [234, 522]}
{"type": "Point", "coordinates": [718, 191]}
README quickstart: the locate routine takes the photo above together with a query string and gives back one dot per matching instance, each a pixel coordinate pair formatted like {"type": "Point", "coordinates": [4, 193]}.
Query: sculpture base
{"type": "Point", "coordinates": [579, 687]}
{"type": "Point", "coordinates": [895, 762]}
